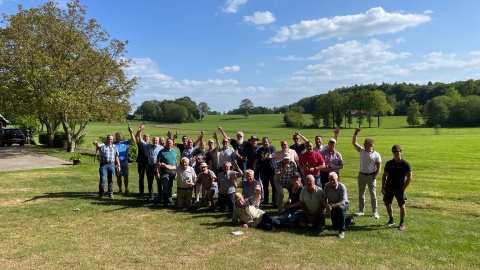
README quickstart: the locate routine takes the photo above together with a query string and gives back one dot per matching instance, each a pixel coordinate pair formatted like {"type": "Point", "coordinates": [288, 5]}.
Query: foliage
{"type": "Point", "coordinates": [245, 106]}
{"type": "Point", "coordinates": [132, 152]}
{"type": "Point", "coordinates": [76, 156]}
{"type": "Point", "coordinates": [161, 111]}
{"type": "Point", "coordinates": [203, 109]}
{"type": "Point", "coordinates": [413, 113]}
{"type": "Point", "coordinates": [29, 123]}
{"type": "Point", "coordinates": [59, 140]}
{"type": "Point", "coordinates": [64, 69]}
{"type": "Point", "coordinates": [293, 119]}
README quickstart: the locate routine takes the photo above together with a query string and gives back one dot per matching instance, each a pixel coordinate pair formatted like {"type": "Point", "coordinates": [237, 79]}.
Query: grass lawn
{"type": "Point", "coordinates": [41, 229]}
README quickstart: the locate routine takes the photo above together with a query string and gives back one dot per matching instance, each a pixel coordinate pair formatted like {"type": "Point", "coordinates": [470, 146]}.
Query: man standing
{"type": "Point", "coordinates": [226, 153]}
{"type": "Point", "coordinates": [165, 170]}
{"type": "Point", "coordinates": [249, 153]}
{"type": "Point", "coordinates": [311, 163]}
{"type": "Point", "coordinates": [370, 165]}
{"type": "Point", "coordinates": [333, 161]}
{"type": "Point", "coordinates": [318, 141]}
{"type": "Point", "coordinates": [265, 163]}
{"type": "Point", "coordinates": [142, 159]}
{"type": "Point", "coordinates": [336, 203]}
{"type": "Point", "coordinates": [122, 146]}
{"type": "Point", "coordinates": [108, 162]}
{"type": "Point", "coordinates": [227, 181]}
{"type": "Point", "coordinates": [186, 178]}
{"type": "Point", "coordinates": [283, 178]}
{"type": "Point", "coordinates": [152, 153]}
{"type": "Point", "coordinates": [212, 155]}
{"type": "Point", "coordinates": [297, 146]}
{"type": "Point", "coordinates": [239, 146]}
{"type": "Point", "coordinates": [396, 177]}
{"type": "Point", "coordinates": [311, 202]}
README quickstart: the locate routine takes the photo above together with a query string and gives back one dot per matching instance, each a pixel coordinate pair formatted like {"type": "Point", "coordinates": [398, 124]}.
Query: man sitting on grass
{"type": "Point", "coordinates": [251, 216]}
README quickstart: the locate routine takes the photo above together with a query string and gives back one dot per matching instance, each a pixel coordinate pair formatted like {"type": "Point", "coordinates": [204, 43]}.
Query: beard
{"type": "Point", "coordinates": [240, 141]}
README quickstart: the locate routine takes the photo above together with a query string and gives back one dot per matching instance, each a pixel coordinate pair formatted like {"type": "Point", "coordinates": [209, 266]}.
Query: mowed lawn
{"type": "Point", "coordinates": [51, 218]}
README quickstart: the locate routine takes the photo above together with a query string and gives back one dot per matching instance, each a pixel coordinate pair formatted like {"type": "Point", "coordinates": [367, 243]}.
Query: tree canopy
{"type": "Point", "coordinates": [63, 69]}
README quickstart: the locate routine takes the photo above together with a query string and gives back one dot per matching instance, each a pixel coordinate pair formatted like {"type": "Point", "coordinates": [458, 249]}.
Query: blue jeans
{"type": "Point", "coordinates": [166, 179]}
{"type": "Point", "coordinates": [292, 216]}
{"type": "Point", "coordinates": [106, 171]}
{"type": "Point", "coordinates": [338, 217]}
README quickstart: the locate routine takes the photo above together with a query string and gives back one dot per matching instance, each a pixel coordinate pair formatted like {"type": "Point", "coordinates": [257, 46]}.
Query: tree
{"type": "Point", "coordinates": [63, 69]}
{"type": "Point", "coordinates": [293, 119]}
{"type": "Point", "coordinates": [150, 110]}
{"type": "Point", "coordinates": [245, 106]}
{"type": "Point", "coordinates": [380, 105]}
{"type": "Point", "coordinates": [203, 109]}
{"type": "Point", "coordinates": [414, 114]}
{"type": "Point", "coordinates": [191, 106]}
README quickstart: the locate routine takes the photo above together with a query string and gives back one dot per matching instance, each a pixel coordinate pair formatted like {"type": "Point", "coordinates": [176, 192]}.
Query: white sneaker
{"type": "Point", "coordinates": [376, 216]}
{"type": "Point", "coordinates": [359, 214]}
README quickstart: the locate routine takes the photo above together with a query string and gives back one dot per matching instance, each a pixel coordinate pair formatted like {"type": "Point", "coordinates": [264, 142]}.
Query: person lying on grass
{"type": "Point", "coordinates": [251, 216]}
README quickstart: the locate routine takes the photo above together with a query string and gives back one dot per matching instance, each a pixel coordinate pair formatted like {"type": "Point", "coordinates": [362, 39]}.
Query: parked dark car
{"type": "Point", "coordinates": [9, 136]}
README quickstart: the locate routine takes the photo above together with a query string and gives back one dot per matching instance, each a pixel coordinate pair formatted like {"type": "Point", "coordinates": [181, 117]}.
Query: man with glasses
{"type": "Point", "coordinates": [297, 146]}
{"type": "Point", "coordinates": [311, 163]}
{"type": "Point", "coordinates": [396, 177]}
{"type": "Point", "coordinates": [370, 166]}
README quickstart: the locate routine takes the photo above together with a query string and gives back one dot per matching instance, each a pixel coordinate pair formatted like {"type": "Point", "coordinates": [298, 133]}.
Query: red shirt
{"type": "Point", "coordinates": [314, 159]}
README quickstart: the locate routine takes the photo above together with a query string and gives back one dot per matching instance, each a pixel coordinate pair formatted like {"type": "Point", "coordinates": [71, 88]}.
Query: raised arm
{"type": "Point", "coordinates": [223, 132]}
{"type": "Point", "coordinates": [335, 133]}
{"type": "Point", "coordinates": [138, 135]}
{"type": "Point", "coordinates": [301, 136]}
{"type": "Point", "coordinates": [200, 138]}
{"type": "Point", "coordinates": [354, 140]}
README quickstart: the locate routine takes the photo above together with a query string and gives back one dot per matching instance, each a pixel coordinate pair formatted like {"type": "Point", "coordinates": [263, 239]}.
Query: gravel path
{"type": "Point", "coordinates": [17, 157]}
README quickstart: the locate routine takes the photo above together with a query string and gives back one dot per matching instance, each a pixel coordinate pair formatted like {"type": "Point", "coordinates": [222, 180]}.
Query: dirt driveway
{"type": "Point", "coordinates": [15, 157]}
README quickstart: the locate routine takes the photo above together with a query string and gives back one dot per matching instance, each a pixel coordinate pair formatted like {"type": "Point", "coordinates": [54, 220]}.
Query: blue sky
{"type": "Point", "coordinates": [275, 52]}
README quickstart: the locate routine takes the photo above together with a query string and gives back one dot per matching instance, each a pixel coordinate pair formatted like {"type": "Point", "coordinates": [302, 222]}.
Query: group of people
{"type": "Point", "coordinates": [240, 173]}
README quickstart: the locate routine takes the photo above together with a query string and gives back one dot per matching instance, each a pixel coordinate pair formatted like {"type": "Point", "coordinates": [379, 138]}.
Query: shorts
{"type": "Point", "coordinates": [213, 189]}
{"type": "Point", "coordinates": [399, 194]}
{"type": "Point", "coordinates": [124, 171]}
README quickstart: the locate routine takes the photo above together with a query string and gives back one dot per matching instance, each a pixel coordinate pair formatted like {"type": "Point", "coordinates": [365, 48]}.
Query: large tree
{"type": "Point", "coordinates": [64, 69]}
{"type": "Point", "coordinates": [245, 106]}
{"type": "Point", "coordinates": [414, 114]}
{"type": "Point", "coordinates": [203, 109]}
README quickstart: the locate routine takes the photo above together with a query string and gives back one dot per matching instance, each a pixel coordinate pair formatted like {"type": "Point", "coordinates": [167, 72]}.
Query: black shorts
{"type": "Point", "coordinates": [399, 194]}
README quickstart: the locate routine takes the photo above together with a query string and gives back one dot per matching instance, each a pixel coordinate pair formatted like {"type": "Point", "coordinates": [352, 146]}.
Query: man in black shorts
{"type": "Point", "coordinates": [395, 179]}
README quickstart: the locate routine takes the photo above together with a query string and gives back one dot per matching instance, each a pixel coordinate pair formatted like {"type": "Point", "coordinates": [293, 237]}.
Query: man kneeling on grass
{"type": "Point", "coordinates": [251, 216]}
{"type": "Point", "coordinates": [311, 201]}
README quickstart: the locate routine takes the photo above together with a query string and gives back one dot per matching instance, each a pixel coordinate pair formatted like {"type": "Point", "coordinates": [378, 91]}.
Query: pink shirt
{"type": "Point", "coordinates": [314, 159]}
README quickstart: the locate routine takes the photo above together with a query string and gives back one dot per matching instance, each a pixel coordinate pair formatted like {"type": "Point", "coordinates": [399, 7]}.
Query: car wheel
{"type": "Point", "coordinates": [21, 144]}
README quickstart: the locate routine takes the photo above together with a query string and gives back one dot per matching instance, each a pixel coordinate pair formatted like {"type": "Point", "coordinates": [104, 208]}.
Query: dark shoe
{"type": "Point", "coordinates": [390, 224]}
{"type": "Point", "coordinates": [401, 227]}
{"type": "Point", "coordinates": [349, 220]}
{"type": "Point", "coordinates": [127, 192]}
{"type": "Point", "coordinates": [100, 197]}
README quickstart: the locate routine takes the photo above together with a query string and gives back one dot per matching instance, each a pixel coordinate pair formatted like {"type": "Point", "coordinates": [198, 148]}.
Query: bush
{"type": "Point", "coordinates": [293, 119]}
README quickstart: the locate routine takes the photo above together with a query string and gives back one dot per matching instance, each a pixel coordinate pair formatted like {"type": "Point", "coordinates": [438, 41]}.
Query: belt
{"type": "Point", "coordinates": [185, 188]}
{"type": "Point", "coordinates": [109, 163]}
{"type": "Point", "coordinates": [367, 173]}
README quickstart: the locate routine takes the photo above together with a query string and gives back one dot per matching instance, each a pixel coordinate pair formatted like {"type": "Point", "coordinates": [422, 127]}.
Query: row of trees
{"type": "Point", "coordinates": [62, 70]}
{"type": "Point", "coordinates": [399, 95]}
{"type": "Point", "coordinates": [181, 110]}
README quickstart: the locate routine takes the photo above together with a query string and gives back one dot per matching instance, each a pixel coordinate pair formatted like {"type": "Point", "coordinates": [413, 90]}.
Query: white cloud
{"type": "Point", "coordinates": [232, 6]}
{"type": "Point", "coordinates": [440, 60]}
{"type": "Point", "coordinates": [350, 63]}
{"type": "Point", "coordinates": [428, 11]}
{"type": "Point", "coordinates": [209, 83]}
{"type": "Point", "coordinates": [228, 69]}
{"type": "Point", "coordinates": [260, 17]}
{"type": "Point", "coordinates": [289, 58]}
{"type": "Point", "coordinates": [474, 53]}
{"type": "Point", "coordinates": [373, 22]}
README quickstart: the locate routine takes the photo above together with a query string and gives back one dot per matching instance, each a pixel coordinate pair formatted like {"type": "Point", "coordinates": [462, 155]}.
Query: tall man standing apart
{"type": "Point", "coordinates": [165, 170]}
{"type": "Point", "coordinates": [396, 177]}
{"type": "Point", "coordinates": [370, 165]}
{"type": "Point", "coordinates": [122, 146]}
{"type": "Point", "coordinates": [108, 162]}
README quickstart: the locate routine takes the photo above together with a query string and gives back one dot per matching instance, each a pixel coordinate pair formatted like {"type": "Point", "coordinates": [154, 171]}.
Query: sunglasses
{"type": "Point", "coordinates": [396, 151]}
{"type": "Point", "coordinates": [283, 144]}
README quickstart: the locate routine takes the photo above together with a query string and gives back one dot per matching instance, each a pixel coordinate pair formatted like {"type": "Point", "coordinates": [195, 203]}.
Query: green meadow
{"type": "Point", "coordinates": [40, 228]}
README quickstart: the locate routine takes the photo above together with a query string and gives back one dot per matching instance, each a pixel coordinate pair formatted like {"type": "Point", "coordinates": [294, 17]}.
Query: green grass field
{"type": "Point", "coordinates": [41, 230]}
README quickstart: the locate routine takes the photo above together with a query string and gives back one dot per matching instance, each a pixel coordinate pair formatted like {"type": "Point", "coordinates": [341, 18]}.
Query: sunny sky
{"type": "Point", "coordinates": [275, 52]}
